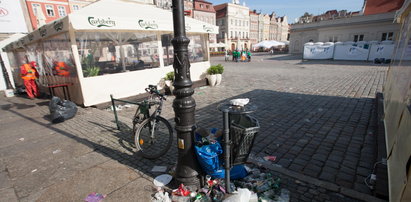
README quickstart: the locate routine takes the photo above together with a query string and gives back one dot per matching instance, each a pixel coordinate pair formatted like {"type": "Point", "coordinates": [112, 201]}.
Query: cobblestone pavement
{"type": "Point", "coordinates": [315, 117]}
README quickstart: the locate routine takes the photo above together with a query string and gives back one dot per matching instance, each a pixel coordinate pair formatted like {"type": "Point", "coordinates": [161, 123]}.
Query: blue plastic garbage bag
{"type": "Point", "coordinates": [207, 156]}
{"type": "Point", "coordinates": [236, 172]}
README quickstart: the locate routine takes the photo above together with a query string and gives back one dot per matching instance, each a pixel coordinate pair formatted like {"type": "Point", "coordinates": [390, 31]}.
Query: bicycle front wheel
{"type": "Point", "coordinates": [153, 138]}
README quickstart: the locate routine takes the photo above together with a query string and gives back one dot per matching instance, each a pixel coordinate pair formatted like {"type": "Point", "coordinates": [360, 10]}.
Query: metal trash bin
{"type": "Point", "coordinates": [243, 130]}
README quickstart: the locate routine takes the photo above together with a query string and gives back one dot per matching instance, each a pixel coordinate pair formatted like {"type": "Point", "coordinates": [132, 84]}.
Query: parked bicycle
{"type": "Point", "coordinates": [153, 133]}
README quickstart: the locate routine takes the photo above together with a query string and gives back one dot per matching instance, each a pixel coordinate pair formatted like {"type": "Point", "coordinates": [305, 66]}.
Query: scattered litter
{"type": "Point", "coordinates": [240, 102]}
{"type": "Point", "coordinates": [21, 139]}
{"type": "Point", "coordinates": [320, 109]}
{"type": "Point", "coordinates": [34, 170]}
{"type": "Point", "coordinates": [119, 107]}
{"type": "Point", "coordinates": [161, 196]}
{"type": "Point", "coordinates": [257, 186]}
{"type": "Point", "coordinates": [162, 180]}
{"type": "Point", "coordinates": [159, 169]}
{"type": "Point", "coordinates": [95, 197]}
{"type": "Point", "coordinates": [242, 195]}
{"type": "Point", "coordinates": [204, 87]}
{"type": "Point", "coordinates": [270, 158]}
{"type": "Point", "coordinates": [56, 151]}
{"type": "Point", "coordinates": [181, 191]}
{"type": "Point", "coordinates": [307, 120]}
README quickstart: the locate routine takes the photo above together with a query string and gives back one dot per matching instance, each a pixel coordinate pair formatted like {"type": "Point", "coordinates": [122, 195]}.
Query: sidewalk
{"type": "Point", "coordinates": [41, 161]}
{"type": "Point", "coordinates": [315, 118]}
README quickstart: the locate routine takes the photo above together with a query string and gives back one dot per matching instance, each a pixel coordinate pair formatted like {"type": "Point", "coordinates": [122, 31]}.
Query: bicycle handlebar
{"type": "Point", "coordinates": [152, 89]}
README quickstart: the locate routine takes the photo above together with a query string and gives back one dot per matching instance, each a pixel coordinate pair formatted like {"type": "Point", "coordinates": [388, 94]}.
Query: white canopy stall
{"type": "Point", "coordinates": [110, 47]}
{"type": "Point", "coordinates": [318, 50]}
{"type": "Point", "coordinates": [352, 51]}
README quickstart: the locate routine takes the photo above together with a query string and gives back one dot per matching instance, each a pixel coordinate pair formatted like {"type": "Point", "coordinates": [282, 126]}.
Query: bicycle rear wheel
{"type": "Point", "coordinates": [153, 142]}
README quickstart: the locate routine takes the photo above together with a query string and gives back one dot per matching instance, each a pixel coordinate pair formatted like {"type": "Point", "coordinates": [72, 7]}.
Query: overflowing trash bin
{"type": "Point", "coordinates": [223, 156]}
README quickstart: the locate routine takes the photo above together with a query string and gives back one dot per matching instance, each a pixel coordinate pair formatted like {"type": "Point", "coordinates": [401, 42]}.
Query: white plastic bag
{"type": "Point", "coordinates": [242, 195]}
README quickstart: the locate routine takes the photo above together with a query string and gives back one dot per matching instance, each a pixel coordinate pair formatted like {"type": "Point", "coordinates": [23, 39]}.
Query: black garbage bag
{"type": "Point", "coordinates": [61, 110]}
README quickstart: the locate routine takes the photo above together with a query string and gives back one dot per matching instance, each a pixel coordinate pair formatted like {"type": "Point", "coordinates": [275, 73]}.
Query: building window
{"type": "Point", "coordinates": [387, 36]}
{"type": "Point", "coordinates": [333, 39]}
{"type": "Point", "coordinates": [76, 7]}
{"type": "Point", "coordinates": [50, 10]}
{"type": "Point", "coordinates": [232, 21]}
{"type": "Point", "coordinates": [36, 9]}
{"type": "Point", "coordinates": [201, 5]}
{"type": "Point", "coordinates": [231, 34]}
{"type": "Point", "coordinates": [358, 37]}
{"type": "Point", "coordinates": [62, 11]}
{"type": "Point", "coordinates": [207, 6]}
{"type": "Point", "coordinates": [236, 23]}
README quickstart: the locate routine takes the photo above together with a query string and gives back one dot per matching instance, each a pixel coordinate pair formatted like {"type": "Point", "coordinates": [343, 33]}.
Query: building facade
{"type": "Point", "coordinates": [359, 28]}
{"type": "Point", "coordinates": [351, 26]}
{"type": "Point", "coordinates": [204, 11]}
{"type": "Point", "coordinates": [166, 4]}
{"type": "Point", "coordinates": [43, 12]}
{"type": "Point", "coordinates": [78, 4]}
{"type": "Point", "coordinates": [254, 27]}
{"type": "Point", "coordinates": [234, 21]}
{"type": "Point", "coordinates": [266, 27]}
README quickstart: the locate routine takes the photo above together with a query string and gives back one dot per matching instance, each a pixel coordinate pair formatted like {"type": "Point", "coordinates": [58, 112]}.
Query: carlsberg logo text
{"type": "Point", "coordinates": [99, 22]}
{"type": "Point", "coordinates": [147, 24]}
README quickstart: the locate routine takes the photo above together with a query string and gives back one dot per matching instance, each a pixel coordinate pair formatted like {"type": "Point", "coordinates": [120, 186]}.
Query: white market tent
{"type": "Point", "coordinates": [269, 44]}
{"type": "Point", "coordinates": [113, 47]}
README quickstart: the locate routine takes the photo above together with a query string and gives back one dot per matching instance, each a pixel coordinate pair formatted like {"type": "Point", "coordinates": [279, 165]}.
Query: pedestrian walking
{"type": "Point", "coordinates": [226, 55]}
{"type": "Point", "coordinates": [249, 55]}
{"type": "Point", "coordinates": [234, 54]}
{"type": "Point", "coordinates": [29, 75]}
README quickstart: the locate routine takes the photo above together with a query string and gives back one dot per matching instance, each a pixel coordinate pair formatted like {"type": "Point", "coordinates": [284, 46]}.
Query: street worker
{"type": "Point", "coordinates": [29, 75]}
{"type": "Point", "coordinates": [61, 69]}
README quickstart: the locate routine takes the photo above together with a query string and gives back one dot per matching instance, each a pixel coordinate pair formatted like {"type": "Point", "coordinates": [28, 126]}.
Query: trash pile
{"type": "Point", "coordinates": [256, 186]}
{"type": "Point", "coordinates": [61, 110]}
{"type": "Point", "coordinates": [248, 184]}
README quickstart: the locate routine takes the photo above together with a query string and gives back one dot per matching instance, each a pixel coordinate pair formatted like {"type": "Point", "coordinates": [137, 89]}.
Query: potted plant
{"type": "Point", "coordinates": [219, 75]}
{"type": "Point", "coordinates": [168, 80]}
{"type": "Point", "coordinates": [211, 75]}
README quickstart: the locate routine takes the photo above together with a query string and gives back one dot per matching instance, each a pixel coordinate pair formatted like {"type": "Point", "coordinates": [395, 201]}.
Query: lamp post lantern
{"type": "Point", "coordinates": [184, 104]}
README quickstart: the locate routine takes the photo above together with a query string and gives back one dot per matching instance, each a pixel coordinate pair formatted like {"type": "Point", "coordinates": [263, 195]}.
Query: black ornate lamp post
{"type": "Point", "coordinates": [184, 105]}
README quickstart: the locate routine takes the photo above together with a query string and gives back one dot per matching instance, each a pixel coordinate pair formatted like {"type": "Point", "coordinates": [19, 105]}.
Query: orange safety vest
{"type": "Point", "coordinates": [61, 69]}
{"type": "Point", "coordinates": [30, 72]}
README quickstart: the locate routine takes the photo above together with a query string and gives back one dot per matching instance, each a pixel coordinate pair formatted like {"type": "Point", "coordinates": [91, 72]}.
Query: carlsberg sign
{"type": "Point", "coordinates": [101, 22]}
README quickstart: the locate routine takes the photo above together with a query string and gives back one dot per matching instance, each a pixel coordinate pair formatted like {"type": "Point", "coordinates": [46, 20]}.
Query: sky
{"type": "Point", "coordinates": [296, 8]}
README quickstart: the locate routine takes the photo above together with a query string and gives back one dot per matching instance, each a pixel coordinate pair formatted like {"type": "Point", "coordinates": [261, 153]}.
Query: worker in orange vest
{"type": "Point", "coordinates": [29, 75]}
{"type": "Point", "coordinates": [61, 69]}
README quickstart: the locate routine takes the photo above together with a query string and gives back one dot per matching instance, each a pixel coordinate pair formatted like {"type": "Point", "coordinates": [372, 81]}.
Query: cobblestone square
{"type": "Point", "coordinates": [316, 117]}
